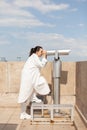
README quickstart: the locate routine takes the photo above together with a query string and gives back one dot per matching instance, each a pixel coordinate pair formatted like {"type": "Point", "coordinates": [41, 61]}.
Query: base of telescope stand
{"type": "Point", "coordinates": [46, 113]}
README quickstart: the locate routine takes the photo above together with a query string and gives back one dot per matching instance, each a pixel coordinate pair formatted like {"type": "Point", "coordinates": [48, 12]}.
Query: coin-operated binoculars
{"type": "Point", "coordinates": [57, 71]}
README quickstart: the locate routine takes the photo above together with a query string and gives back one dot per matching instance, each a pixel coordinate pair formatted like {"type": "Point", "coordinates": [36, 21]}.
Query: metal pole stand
{"type": "Point", "coordinates": [56, 77]}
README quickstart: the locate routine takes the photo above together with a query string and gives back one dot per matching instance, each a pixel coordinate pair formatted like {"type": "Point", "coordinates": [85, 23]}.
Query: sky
{"type": "Point", "coordinates": [52, 24]}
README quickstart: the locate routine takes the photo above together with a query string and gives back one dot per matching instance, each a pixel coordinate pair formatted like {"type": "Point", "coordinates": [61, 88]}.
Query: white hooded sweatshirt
{"type": "Point", "coordinates": [32, 79]}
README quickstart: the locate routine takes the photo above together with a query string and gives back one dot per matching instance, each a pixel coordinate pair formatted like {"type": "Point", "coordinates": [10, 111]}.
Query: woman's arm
{"type": "Point", "coordinates": [44, 54]}
{"type": "Point", "coordinates": [41, 63]}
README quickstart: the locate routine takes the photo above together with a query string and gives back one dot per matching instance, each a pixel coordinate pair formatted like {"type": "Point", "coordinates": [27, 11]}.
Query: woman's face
{"type": "Point", "coordinates": [40, 52]}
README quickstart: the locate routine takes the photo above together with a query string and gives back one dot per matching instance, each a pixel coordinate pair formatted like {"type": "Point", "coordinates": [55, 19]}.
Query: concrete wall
{"type": "Point", "coordinates": [81, 87]}
{"type": "Point", "coordinates": [10, 75]}
{"type": "Point", "coordinates": [68, 82]}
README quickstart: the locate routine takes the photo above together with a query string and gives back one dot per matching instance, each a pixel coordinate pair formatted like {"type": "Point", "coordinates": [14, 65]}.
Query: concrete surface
{"type": "Point", "coordinates": [10, 113]}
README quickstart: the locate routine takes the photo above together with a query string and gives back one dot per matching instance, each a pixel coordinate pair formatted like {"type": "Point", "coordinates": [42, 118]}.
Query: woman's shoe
{"type": "Point", "coordinates": [24, 115]}
{"type": "Point", "coordinates": [37, 100]}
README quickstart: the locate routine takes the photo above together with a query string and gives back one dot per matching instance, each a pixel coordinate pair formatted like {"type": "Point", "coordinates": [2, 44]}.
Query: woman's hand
{"type": "Point", "coordinates": [44, 54]}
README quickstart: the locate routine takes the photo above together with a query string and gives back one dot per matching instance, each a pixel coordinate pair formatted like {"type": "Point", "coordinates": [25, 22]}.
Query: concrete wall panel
{"type": "Point", "coordinates": [3, 76]}
{"type": "Point", "coordinates": [81, 87]}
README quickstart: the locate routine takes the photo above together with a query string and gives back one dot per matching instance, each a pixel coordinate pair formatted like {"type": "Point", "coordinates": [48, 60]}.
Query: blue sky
{"type": "Point", "coordinates": [52, 24]}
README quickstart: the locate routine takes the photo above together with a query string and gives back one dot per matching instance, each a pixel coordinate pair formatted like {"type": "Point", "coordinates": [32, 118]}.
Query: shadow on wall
{"type": "Point", "coordinates": [63, 79]}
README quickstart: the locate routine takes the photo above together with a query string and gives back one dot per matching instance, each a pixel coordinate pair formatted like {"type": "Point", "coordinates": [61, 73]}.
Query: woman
{"type": "Point", "coordinates": [31, 80]}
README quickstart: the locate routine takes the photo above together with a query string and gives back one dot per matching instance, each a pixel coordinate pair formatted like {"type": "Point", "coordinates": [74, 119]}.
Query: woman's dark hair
{"type": "Point", "coordinates": [34, 50]}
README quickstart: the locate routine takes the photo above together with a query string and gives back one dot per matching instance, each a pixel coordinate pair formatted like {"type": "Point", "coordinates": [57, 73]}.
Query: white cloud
{"type": "Point", "coordinates": [56, 17]}
{"type": "Point", "coordinates": [11, 15]}
{"type": "Point", "coordinates": [8, 9]}
{"type": "Point", "coordinates": [4, 41]}
{"type": "Point", "coordinates": [74, 10]}
{"type": "Point", "coordinates": [20, 22]}
{"type": "Point", "coordinates": [75, 26]}
{"type": "Point", "coordinates": [85, 35]}
{"type": "Point", "coordinates": [81, 25]}
{"type": "Point", "coordinates": [81, 0]}
{"type": "Point", "coordinates": [41, 5]}
{"type": "Point", "coordinates": [16, 13]}
{"type": "Point", "coordinates": [3, 4]}
{"type": "Point", "coordinates": [43, 37]}
{"type": "Point", "coordinates": [53, 39]}
{"type": "Point", "coordinates": [70, 26]}
{"type": "Point", "coordinates": [48, 41]}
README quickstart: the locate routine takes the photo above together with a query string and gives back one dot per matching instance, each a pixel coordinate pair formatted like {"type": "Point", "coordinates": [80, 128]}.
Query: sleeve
{"type": "Point", "coordinates": [40, 63]}
{"type": "Point", "coordinates": [44, 62]}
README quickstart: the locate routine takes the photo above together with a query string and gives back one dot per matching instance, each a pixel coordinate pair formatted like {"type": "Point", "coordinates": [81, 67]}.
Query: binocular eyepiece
{"type": "Point", "coordinates": [60, 52]}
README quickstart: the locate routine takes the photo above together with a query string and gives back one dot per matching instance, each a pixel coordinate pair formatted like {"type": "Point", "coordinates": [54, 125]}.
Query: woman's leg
{"type": "Point", "coordinates": [23, 107]}
{"type": "Point", "coordinates": [24, 115]}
